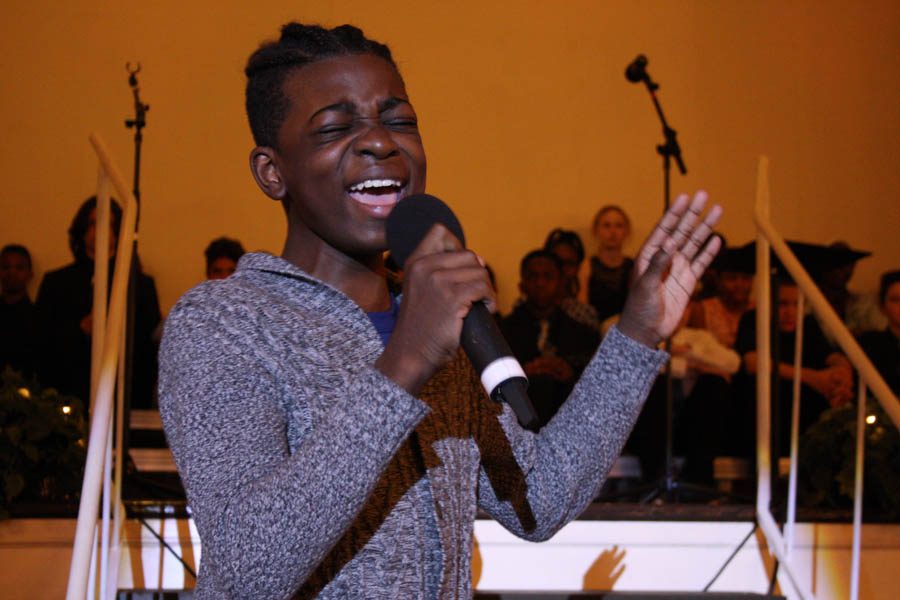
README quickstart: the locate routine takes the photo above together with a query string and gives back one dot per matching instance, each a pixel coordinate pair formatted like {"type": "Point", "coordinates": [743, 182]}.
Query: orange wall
{"type": "Point", "coordinates": [527, 117]}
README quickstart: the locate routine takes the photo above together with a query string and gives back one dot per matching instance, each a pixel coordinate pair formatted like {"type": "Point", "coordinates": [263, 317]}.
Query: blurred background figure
{"type": "Point", "coordinates": [610, 269]}
{"type": "Point", "coordinates": [64, 306]}
{"type": "Point", "coordinates": [552, 347]}
{"type": "Point", "coordinates": [826, 376]}
{"type": "Point", "coordinates": [883, 347]}
{"type": "Point", "coordinates": [567, 246]}
{"type": "Point", "coordinates": [222, 256]}
{"type": "Point", "coordinates": [720, 313]}
{"type": "Point", "coordinates": [858, 311]}
{"type": "Point", "coordinates": [706, 345]}
{"type": "Point", "coordinates": [18, 319]}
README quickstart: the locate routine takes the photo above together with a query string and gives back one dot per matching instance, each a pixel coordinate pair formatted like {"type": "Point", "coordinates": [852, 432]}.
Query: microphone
{"type": "Point", "coordinates": [501, 374]}
{"type": "Point", "coordinates": [636, 71]}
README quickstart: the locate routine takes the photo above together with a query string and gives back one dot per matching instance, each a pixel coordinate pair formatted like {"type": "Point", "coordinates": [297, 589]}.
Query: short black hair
{"type": "Point", "coordinates": [223, 247]}
{"type": "Point", "coordinates": [539, 253]}
{"type": "Point", "coordinates": [887, 280]}
{"type": "Point", "coordinates": [17, 249]}
{"type": "Point", "coordinates": [299, 45]}
{"type": "Point", "coordinates": [81, 221]}
{"type": "Point", "coordinates": [568, 237]}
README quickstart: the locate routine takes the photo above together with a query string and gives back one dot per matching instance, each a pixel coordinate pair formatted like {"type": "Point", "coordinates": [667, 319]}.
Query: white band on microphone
{"type": "Point", "coordinates": [499, 371]}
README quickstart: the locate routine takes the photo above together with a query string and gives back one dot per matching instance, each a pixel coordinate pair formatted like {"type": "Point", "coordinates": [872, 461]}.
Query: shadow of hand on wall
{"type": "Point", "coordinates": [605, 571]}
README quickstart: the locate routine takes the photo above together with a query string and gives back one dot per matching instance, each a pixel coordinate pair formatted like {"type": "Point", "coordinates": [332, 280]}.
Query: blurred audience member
{"type": "Point", "coordinates": [708, 286]}
{"type": "Point", "coordinates": [610, 269]}
{"type": "Point", "coordinates": [222, 256]}
{"type": "Point", "coordinates": [883, 347]}
{"type": "Point", "coordinates": [552, 347]}
{"type": "Point", "coordinates": [721, 313]}
{"type": "Point", "coordinates": [705, 348]}
{"type": "Point", "coordinates": [18, 323]}
{"type": "Point", "coordinates": [826, 375]}
{"type": "Point", "coordinates": [858, 311]}
{"type": "Point", "coordinates": [567, 246]}
{"type": "Point", "coordinates": [65, 304]}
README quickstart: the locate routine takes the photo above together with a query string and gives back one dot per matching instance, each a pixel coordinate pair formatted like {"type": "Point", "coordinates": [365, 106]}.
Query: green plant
{"type": "Point", "coordinates": [42, 443]}
{"type": "Point", "coordinates": [828, 458]}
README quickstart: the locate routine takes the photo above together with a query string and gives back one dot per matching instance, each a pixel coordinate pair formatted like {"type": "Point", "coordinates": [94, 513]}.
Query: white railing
{"type": "Point", "coordinates": [106, 361]}
{"type": "Point", "coordinates": [780, 543]}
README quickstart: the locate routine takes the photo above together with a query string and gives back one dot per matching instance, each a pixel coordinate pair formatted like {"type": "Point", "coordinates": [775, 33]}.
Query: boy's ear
{"type": "Point", "coordinates": [264, 166]}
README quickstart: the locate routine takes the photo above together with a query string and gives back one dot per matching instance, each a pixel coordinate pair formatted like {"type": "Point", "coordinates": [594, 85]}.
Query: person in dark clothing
{"type": "Point", "coordinates": [552, 347]}
{"type": "Point", "coordinates": [610, 268]}
{"type": "Point", "coordinates": [18, 322]}
{"type": "Point", "coordinates": [222, 256]}
{"type": "Point", "coordinates": [826, 375]}
{"type": "Point", "coordinates": [567, 246]}
{"type": "Point", "coordinates": [883, 347]}
{"type": "Point", "coordinates": [64, 306]}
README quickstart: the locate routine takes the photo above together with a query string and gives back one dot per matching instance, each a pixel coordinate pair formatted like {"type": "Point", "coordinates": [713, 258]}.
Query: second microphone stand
{"type": "Point", "coordinates": [668, 486]}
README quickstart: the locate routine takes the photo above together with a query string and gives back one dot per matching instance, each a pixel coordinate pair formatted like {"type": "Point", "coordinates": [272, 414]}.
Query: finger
{"type": "Point", "coordinates": [664, 229]}
{"type": "Point", "coordinates": [702, 232]}
{"type": "Point", "coordinates": [686, 223]}
{"type": "Point", "coordinates": [438, 239]}
{"type": "Point", "coordinates": [460, 275]}
{"type": "Point", "coordinates": [446, 260]}
{"type": "Point", "coordinates": [705, 258]}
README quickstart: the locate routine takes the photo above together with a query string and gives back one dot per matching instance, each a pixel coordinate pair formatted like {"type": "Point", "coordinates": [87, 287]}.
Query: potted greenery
{"type": "Point", "coordinates": [828, 458]}
{"type": "Point", "coordinates": [42, 445]}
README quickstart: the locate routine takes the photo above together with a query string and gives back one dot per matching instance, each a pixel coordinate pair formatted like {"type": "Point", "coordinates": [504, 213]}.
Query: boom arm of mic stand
{"type": "Point", "coordinates": [670, 147]}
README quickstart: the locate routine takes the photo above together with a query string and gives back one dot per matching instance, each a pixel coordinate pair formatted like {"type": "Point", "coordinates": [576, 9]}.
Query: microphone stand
{"type": "Point", "coordinates": [137, 123]}
{"type": "Point", "coordinates": [669, 149]}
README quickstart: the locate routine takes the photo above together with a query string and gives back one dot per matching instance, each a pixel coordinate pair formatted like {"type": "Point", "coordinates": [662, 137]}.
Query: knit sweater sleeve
{"type": "Point", "coordinates": [267, 510]}
{"type": "Point", "coordinates": [560, 469]}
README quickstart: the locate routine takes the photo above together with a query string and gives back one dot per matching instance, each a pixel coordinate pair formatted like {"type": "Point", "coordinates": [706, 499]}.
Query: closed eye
{"type": "Point", "coordinates": [402, 124]}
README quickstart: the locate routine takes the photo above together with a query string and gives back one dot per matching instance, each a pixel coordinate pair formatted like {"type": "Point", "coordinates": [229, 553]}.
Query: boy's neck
{"type": "Point", "coordinates": [362, 279]}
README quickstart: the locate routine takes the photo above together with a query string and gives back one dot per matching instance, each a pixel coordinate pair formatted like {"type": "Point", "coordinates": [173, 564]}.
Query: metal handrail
{"type": "Point", "coordinates": [768, 237]}
{"type": "Point", "coordinates": [96, 473]}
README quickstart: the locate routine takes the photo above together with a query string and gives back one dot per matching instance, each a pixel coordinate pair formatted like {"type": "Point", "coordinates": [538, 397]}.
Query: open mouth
{"type": "Point", "coordinates": [377, 192]}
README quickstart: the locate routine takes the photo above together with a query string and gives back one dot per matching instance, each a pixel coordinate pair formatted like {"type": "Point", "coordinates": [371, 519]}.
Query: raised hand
{"type": "Point", "coordinates": [667, 269]}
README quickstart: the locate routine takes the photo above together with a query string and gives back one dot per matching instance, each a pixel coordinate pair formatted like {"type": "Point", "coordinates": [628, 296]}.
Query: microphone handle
{"type": "Point", "coordinates": [501, 374]}
{"type": "Point", "coordinates": [515, 393]}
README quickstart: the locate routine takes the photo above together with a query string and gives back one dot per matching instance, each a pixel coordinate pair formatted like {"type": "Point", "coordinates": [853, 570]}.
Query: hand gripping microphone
{"type": "Point", "coordinates": [501, 374]}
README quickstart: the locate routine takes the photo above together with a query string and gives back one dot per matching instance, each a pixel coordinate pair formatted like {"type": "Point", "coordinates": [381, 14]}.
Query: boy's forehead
{"type": "Point", "coordinates": [356, 78]}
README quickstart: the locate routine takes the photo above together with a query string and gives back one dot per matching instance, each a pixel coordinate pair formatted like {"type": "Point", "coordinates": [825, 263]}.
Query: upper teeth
{"type": "Point", "coordinates": [375, 183]}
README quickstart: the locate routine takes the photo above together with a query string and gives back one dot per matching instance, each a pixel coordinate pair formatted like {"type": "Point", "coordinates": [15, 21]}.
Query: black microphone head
{"type": "Point", "coordinates": [635, 71]}
{"type": "Point", "coordinates": [411, 220]}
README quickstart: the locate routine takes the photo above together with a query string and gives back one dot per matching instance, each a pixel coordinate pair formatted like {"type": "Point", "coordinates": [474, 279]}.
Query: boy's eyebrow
{"type": "Point", "coordinates": [345, 107]}
{"type": "Point", "coordinates": [390, 103]}
{"type": "Point", "coordinates": [350, 109]}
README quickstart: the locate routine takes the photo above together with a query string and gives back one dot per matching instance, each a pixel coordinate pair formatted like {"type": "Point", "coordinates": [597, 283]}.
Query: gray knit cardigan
{"type": "Point", "coordinates": [310, 474]}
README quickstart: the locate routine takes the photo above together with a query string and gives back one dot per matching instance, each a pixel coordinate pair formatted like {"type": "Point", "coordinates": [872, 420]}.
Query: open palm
{"type": "Point", "coordinates": [671, 261]}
